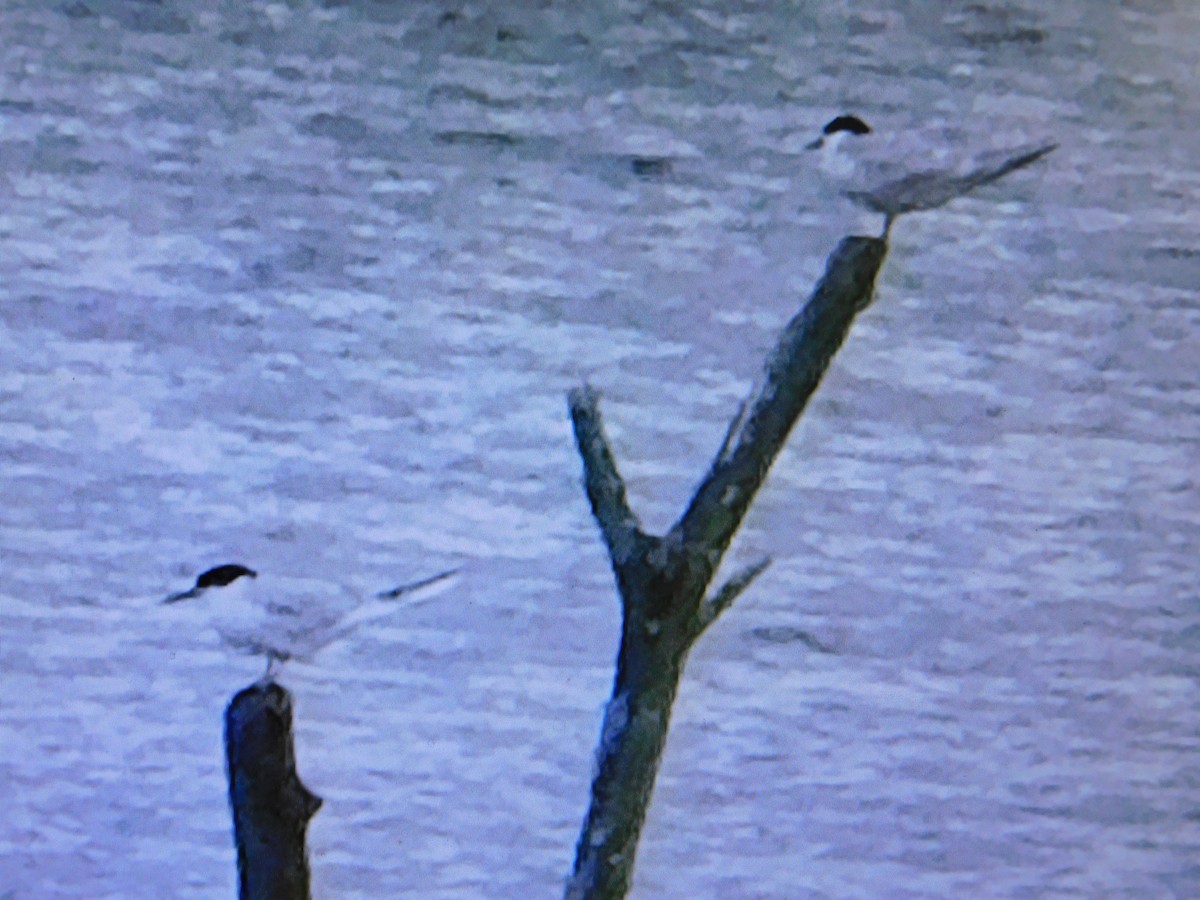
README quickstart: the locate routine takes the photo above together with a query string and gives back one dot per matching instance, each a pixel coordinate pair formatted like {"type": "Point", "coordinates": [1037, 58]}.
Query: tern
{"type": "Point", "coordinates": [299, 618]}
{"type": "Point", "coordinates": [893, 179]}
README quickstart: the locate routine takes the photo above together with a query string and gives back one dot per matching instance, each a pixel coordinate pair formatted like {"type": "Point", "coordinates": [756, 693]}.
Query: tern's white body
{"type": "Point", "coordinates": [285, 618]}
{"type": "Point", "coordinates": [239, 613]}
{"type": "Point", "coordinates": [851, 161]}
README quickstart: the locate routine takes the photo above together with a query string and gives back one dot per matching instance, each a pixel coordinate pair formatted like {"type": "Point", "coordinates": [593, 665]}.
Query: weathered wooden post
{"type": "Point", "coordinates": [271, 807]}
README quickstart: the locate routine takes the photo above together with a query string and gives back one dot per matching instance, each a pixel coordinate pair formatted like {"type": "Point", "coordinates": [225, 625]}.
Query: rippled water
{"type": "Point", "coordinates": [304, 285]}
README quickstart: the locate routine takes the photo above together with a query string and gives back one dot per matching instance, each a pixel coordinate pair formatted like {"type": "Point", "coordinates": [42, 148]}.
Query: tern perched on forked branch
{"type": "Point", "coordinates": [299, 618]}
{"type": "Point", "coordinates": [889, 178]}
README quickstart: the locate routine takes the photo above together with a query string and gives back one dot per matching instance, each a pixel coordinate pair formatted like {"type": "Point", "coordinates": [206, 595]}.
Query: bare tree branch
{"type": "Point", "coordinates": [734, 424]}
{"type": "Point", "coordinates": [713, 607]}
{"type": "Point", "coordinates": [605, 489]}
{"type": "Point", "coordinates": [663, 580]}
{"type": "Point", "coordinates": [793, 371]}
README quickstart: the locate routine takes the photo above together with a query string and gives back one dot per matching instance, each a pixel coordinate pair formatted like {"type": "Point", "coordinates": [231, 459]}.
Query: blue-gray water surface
{"type": "Point", "coordinates": [304, 285]}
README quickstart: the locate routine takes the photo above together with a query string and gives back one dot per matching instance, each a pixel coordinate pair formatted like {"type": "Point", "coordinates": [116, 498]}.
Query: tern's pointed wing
{"type": "Point", "coordinates": [1018, 160]}
{"type": "Point", "coordinates": [918, 191]}
{"type": "Point", "coordinates": [411, 589]}
{"type": "Point", "coordinates": [930, 190]}
{"type": "Point", "coordinates": [310, 635]}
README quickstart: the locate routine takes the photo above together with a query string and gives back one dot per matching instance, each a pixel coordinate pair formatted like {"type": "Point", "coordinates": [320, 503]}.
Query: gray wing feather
{"type": "Point", "coordinates": [929, 190]}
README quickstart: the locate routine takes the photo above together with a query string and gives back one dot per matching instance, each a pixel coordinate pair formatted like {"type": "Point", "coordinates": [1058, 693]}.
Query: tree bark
{"type": "Point", "coordinates": [271, 807]}
{"type": "Point", "coordinates": [663, 579]}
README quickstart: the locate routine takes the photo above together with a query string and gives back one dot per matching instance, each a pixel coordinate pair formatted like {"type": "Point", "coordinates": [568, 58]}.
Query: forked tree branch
{"type": "Point", "coordinates": [663, 580]}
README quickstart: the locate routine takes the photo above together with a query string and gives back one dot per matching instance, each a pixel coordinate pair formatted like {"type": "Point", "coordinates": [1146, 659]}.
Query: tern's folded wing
{"type": "Point", "coordinates": [929, 190]}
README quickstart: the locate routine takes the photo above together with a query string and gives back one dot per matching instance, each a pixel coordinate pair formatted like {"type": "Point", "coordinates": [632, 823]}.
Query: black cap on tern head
{"type": "Point", "coordinates": [837, 125]}
{"type": "Point", "coordinates": [852, 124]}
{"type": "Point", "coordinates": [219, 576]}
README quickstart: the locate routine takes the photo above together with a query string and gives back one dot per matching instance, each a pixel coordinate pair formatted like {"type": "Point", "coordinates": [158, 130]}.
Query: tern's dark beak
{"type": "Point", "coordinates": [815, 145]}
{"type": "Point", "coordinates": [182, 595]}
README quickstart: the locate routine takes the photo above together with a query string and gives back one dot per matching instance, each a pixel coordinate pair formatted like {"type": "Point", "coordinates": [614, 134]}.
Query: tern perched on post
{"type": "Point", "coordinates": [298, 618]}
{"type": "Point", "coordinates": [892, 178]}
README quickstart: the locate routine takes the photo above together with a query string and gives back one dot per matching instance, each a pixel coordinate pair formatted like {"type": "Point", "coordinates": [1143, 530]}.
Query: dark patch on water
{"type": "Point", "coordinates": [789, 634]}
{"type": "Point", "coordinates": [478, 138]}
{"type": "Point", "coordinates": [650, 167]}
{"type": "Point", "coordinates": [338, 126]}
